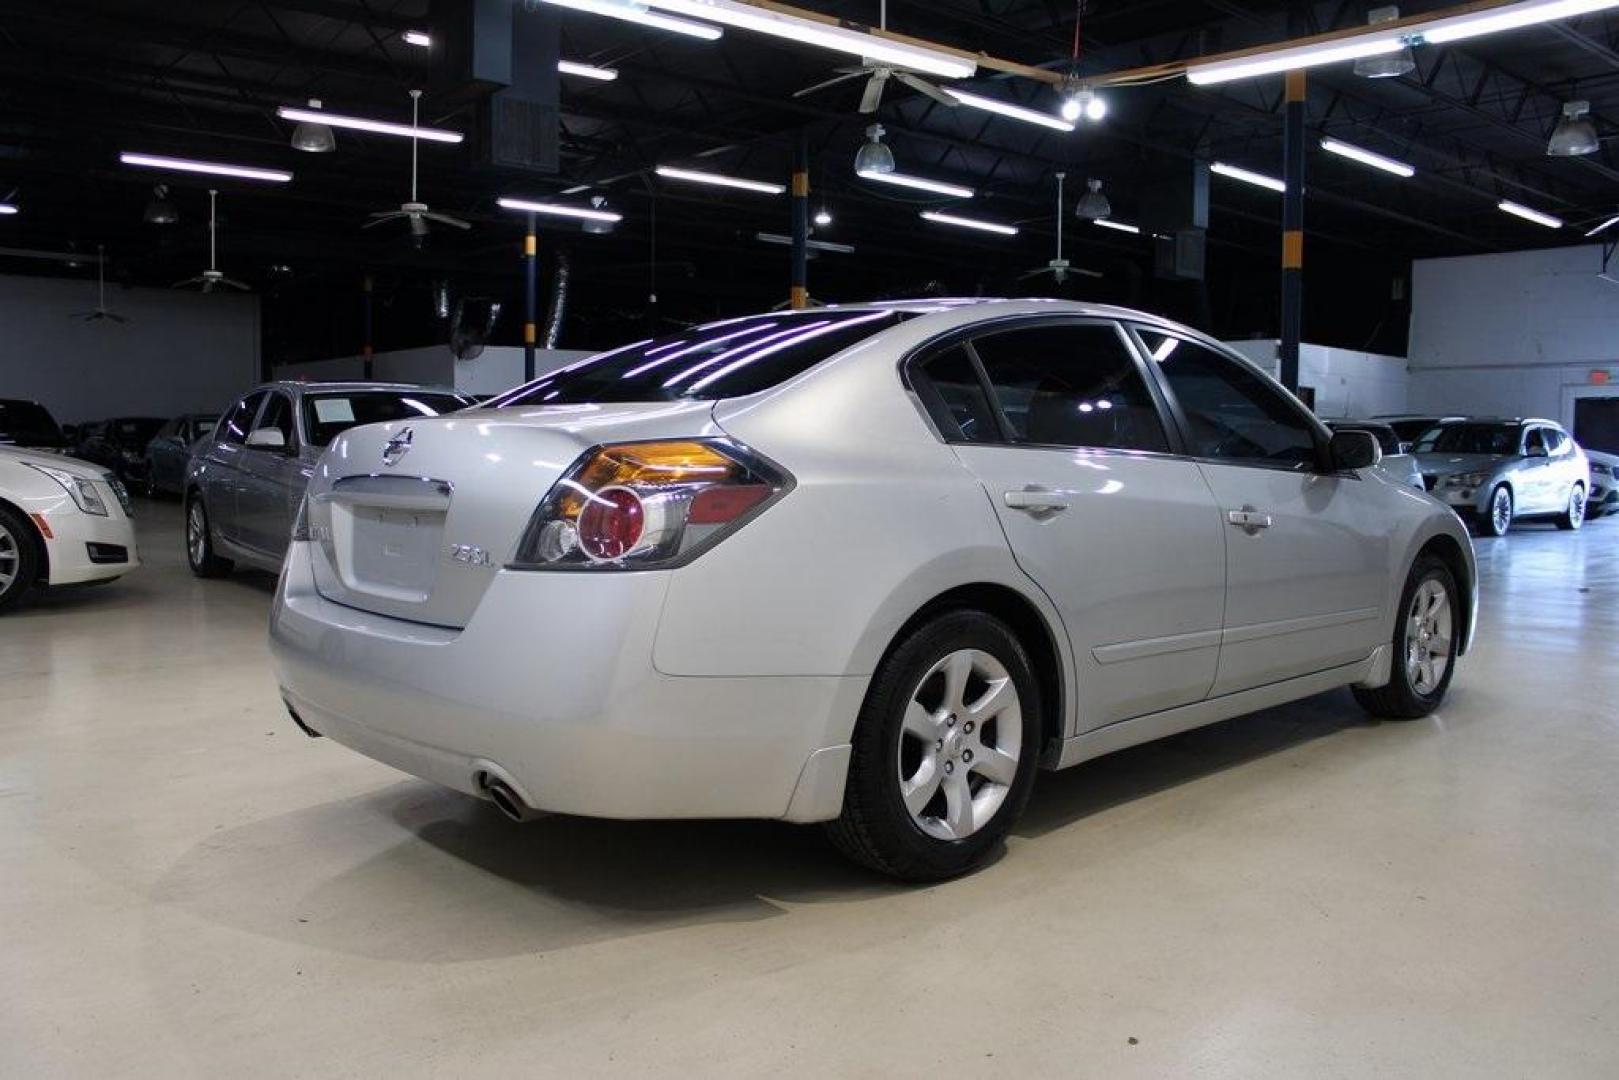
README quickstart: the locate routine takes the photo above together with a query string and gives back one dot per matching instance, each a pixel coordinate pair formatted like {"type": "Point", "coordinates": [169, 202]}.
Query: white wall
{"type": "Point", "coordinates": [498, 368]}
{"type": "Point", "coordinates": [1515, 334]}
{"type": "Point", "coordinates": [1347, 383]}
{"type": "Point", "coordinates": [179, 352]}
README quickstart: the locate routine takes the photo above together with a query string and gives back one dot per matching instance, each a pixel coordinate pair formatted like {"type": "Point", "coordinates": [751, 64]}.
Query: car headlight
{"type": "Point", "coordinates": [84, 493]}
{"type": "Point", "coordinates": [649, 505]}
{"type": "Point", "coordinates": [1466, 479]}
{"type": "Point", "coordinates": [1600, 469]}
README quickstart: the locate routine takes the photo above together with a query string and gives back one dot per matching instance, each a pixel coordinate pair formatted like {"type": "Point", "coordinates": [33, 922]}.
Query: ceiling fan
{"type": "Point", "coordinates": [1059, 268]}
{"type": "Point", "coordinates": [101, 311]}
{"type": "Point", "coordinates": [212, 277]}
{"type": "Point", "coordinates": [877, 76]}
{"type": "Point", "coordinates": [416, 213]}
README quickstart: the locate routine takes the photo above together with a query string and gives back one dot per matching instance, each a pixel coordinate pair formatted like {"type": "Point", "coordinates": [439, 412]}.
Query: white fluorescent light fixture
{"type": "Point", "coordinates": [558, 210]}
{"type": "Point", "coordinates": [970, 223]}
{"type": "Point", "coordinates": [1006, 108]}
{"type": "Point", "coordinates": [1380, 42]}
{"type": "Point", "coordinates": [212, 168]}
{"type": "Point", "coordinates": [586, 71]}
{"type": "Point", "coordinates": [1520, 210]}
{"type": "Point", "coordinates": [920, 183]}
{"type": "Point", "coordinates": [1248, 177]}
{"type": "Point", "coordinates": [360, 123]}
{"type": "Point", "coordinates": [856, 43]}
{"type": "Point", "coordinates": [7, 208]}
{"type": "Point", "coordinates": [1366, 157]}
{"type": "Point", "coordinates": [814, 245]}
{"type": "Point", "coordinates": [637, 13]}
{"type": "Point", "coordinates": [1604, 227]}
{"type": "Point", "coordinates": [419, 39]}
{"type": "Point", "coordinates": [1118, 226]}
{"type": "Point", "coordinates": [719, 180]}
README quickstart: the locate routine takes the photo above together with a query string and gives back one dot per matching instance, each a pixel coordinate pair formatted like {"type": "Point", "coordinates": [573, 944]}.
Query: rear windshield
{"type": "Point", "coordinates": [326, 416]}
{"type": "Point", "coordinates": [1470, 439]}
{"type": "Point", "coordinates": [720, 360]}
{"type": "Point", "coordinates": [24, 423]}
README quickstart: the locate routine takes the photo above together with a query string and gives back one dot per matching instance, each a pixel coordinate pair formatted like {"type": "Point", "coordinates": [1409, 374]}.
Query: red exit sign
{"type": "Point", "coordinates": [1599, 376]}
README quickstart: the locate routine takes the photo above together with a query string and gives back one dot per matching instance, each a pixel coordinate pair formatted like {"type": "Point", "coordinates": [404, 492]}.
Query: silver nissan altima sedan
{"type": "Point", "coordinates": [871, 565]}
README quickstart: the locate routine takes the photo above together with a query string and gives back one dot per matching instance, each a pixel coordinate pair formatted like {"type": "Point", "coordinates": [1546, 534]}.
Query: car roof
{"type": "Point", "coordinates": [299, 386]}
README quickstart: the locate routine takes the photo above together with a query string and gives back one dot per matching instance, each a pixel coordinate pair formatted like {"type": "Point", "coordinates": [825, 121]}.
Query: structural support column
{"type": "Point", "coordinates": [531, 297]}
{"type": "Point", "coordinates": [367, 349]}
{"type": "Point", "coordinates": [1293, 230]}
{"type": "Point", "coordinates": [800, 291]}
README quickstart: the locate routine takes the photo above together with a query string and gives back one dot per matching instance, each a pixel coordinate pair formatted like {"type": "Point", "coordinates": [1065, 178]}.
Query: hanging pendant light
{"type": "Point", "coordinates": [873, 156]}
{"type": "Point", "coordinates": [1093, 205]}
{"type": "Point", "coordinates": [597, 226]}
{"type": "Point", "coordinates": [1385, 65]}
{"type": "Point", "coordinates": [1575, 135]}
{"type": "Point", "coordinates": [159, 209]}
{"type": "Point", "coordinates": [311, 137]}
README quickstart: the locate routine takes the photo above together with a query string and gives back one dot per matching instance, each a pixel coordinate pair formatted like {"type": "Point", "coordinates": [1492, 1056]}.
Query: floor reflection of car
{"type": "Point", "coordinates": [1604, 498]}
{"type": "Point", "coordinates": [30, 424]}
{"type": "Point", "coordinates": [1496, 471]}
{"type": "Point", "coordinates": [1402, 466]}
{"type": "Point", "coordinates": [62, 522]}
{"type": "Point", "coordinates": [163, 467]}
{"type": "Point", "coordinates": [870, 565]}
{"type": "Point", "coordinates": [244, 482]}
{"type": "Point", "coordinates": [119, 444]}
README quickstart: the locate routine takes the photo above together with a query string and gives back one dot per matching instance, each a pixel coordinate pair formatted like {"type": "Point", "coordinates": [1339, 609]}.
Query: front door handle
{"type": "Point", "coordinates": [1248, 519]}
{"type": "Point", "coordinates": [1037, 500]}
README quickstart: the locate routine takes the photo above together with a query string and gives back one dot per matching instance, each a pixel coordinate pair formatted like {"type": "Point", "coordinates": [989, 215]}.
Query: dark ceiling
{"type": "Point", "coordinates": [81, 81]}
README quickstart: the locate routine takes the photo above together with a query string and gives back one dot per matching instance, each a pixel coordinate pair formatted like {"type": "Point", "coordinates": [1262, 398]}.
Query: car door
{"type": "Point", "coordinates": [1056, 418]}
{"type": "Point", "coordinates": [1533, 477]}
{"type": "Point", "coordinates": [220, 476]}
{"type": "Point", "coordinates": [1306, 551]}
{"type": "Point", "coordinates": [264, 504]}
{"type": "Point", "coordinates": [1567, 467]}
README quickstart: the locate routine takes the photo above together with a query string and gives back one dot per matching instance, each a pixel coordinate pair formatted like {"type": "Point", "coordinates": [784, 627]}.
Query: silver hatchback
{"type": "Point", "coordinates": [245, 482]}
{"type": "Point", "coordinates": [1493, 472]}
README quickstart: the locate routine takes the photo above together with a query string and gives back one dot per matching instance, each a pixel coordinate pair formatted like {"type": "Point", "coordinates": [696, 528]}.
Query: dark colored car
{"type": "Point", "coordinates": [164, 465]}
{"type": "Point", "coordinates": [119, 444]}
{"type": "Point", "coordinates": [30, 424]}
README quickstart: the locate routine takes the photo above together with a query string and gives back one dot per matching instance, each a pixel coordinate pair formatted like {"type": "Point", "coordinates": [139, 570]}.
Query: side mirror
{"type": "Point", "coordinates": [267, 438]}
{"type": "Point", "coordinates": [1354, 450]}
{"type": "Point", "coordinates": [1536, 451]}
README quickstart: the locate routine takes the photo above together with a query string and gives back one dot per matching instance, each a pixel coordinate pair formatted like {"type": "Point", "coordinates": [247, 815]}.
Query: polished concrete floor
{"type": "Point", "coordinates": [189, 887]}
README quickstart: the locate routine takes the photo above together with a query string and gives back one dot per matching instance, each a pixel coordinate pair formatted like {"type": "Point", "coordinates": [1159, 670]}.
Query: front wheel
{"type": "Point", "coordinates": [1498, 519]}
{"type": "Point", "coordinates": [200, 542]}
{"type": "Point", "coordinates": [945, 750]}
{"type": "Point", "coordinates": [19, 565]}
{"type": "Point", "coordinates": [1573, 515]}
{"type": "Point", "coordinates": [1425, 641]}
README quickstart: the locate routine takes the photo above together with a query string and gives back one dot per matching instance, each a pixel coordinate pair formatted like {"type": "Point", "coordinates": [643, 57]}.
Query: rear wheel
{"type": "Point", "coordinates": [200, 542]}
{"type": "Point", "coordinates": [944, 750]}
{"type": "Point", "coordinates": [1498, 518]}
{"type": "Point", "coordinates": [1425, 641]}
{"type": "Point", "coordinates": [19, 558]}
{"type": "Point", "coordinates": [1573, 515]}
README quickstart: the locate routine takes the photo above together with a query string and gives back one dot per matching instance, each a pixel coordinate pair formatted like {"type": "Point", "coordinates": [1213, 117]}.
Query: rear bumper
{"type": "Point", "coordinates": [551, 687]}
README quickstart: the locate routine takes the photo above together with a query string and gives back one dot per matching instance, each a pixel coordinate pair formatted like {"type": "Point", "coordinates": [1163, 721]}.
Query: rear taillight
{"type": "Point", "coordinates": [648, 505]}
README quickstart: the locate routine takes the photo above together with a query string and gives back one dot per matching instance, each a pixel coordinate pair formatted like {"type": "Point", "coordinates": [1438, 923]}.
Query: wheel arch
{"type": "Point", "coordinates": [41, 549]}
{"type": "Point", "coordinates": [1448, 550]}
{"type": "Point", "coordinates": [1034, 631]}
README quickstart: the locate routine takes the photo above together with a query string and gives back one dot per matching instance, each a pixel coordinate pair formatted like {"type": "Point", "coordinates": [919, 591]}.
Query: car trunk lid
{"type": "Point", "coordinates": [413, 519]}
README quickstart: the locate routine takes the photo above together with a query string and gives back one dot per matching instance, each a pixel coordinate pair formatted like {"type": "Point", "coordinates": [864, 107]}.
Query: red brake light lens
{"type": "Point", "coordinates": [648, 505]}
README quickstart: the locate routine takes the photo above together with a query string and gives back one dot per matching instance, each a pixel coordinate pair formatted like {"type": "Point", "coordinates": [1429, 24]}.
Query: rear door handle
{"type": "Point", "coordinates": [1037, 500]}
{"type": "Point", "coordinates": [1248, 519]}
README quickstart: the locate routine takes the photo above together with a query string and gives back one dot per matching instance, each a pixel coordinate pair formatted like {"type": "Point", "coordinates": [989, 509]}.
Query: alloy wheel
{"type": "Point", "coordinates": [1501, 511]}
{"type": "Point", "coordinates": [10, 558]}
{"type": "Point", "coordinates": [196, 533]}
{"type": "Point", "coordinates": [1576, 506]}
{"type": "Point", "coordinates": [1427, 637]}
{"type": "Point", "coordinates": [960, 744]}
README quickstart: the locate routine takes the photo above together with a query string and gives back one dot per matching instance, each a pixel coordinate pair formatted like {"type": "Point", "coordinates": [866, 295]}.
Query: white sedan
{"type": "Point", "coordinates": [867, 565]}
{"type": "Point", "coordinates": [62, 522]}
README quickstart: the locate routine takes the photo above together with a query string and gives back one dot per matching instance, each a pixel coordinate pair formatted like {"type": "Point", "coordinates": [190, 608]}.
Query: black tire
{"type": "Point", "coordinates": [199, 541]}
{"type": "Point", "coordinates": [1493, 523]}
{"type": "Point", "coordinates": [1401, 698]}
{"type": "Point", "coordinates": [876, 829]}
{"type": "Point", "coordinates": [1573, 515]}
{"type": "Point", "coordinates": [19, 558]}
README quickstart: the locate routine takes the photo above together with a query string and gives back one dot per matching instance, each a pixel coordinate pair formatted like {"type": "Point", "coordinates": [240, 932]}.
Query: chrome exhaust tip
{"type": "Point", "coordinates": [507, 801]}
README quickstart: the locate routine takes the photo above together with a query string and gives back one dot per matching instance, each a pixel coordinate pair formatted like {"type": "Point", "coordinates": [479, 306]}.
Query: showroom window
{"type": "Point", "coordinates": [1072, 385]}
{"type": "Point", "coordinates": [1230, 411]}
{"type": "Point", "coordinates": [240, 420]}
